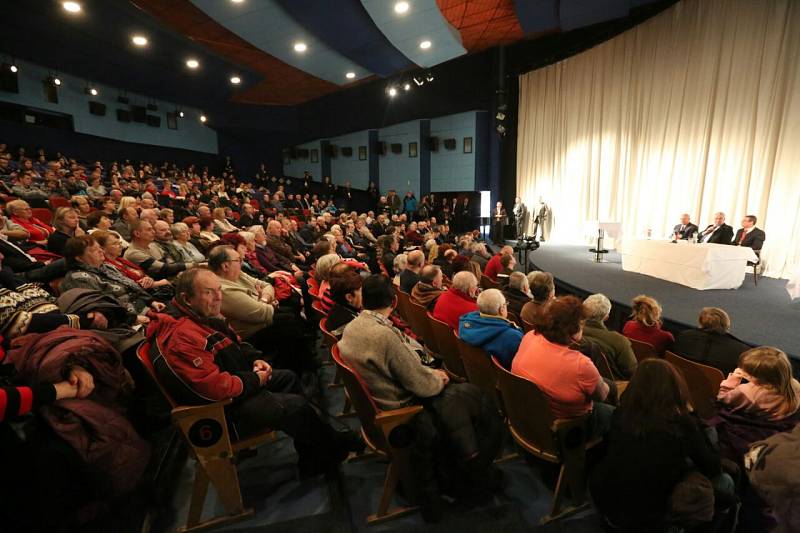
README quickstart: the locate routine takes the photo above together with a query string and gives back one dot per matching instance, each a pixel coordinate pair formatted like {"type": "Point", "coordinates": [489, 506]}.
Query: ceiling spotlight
{"type": "Point", "coordinates": [425, 45]}
{"type": "Point", "coordinates": [237, 1]}
{"type": "Point", "coordinates": [500, 115]}
{"type": "Point", "coordinates": [192, 63]}
{"type": "Point", "coordinates": [56, 82]}
{"type": "Point", "coordinates": [139, 40]}
{"type": "Point", "coordinates": [13, 68]}
{"type": "Point", "coordinates": [91, 91]}
{"type": "Point", "coordinates": [180, 114]}
{"type": "Point", "coordinates": [429, 77]}
{"type": "Point", "coordinates": [300, 47]}
{"type": "Point", "coordinates": [407, 86]}
{"type": "Point", "coordinates": [401, 8]}
{"type": "Point", "coordinates": [501, 129]}
{"type": "Point", "coordinates": [392, 92]}
{"type": "Point", "coordinates": [236, 80]}
{"type": "Point", "coordinates": [350, 75]}
{"type": "Point", "coordinates": [72, 7]}
{"type": "Point", "coordinates": [419, 81]}
{"type": "Point", "coordinates": [203, 118]}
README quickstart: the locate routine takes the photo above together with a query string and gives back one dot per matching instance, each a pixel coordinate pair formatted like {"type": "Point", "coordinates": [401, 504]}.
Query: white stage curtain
{"type": "Point", "coordinates": [696, 110]}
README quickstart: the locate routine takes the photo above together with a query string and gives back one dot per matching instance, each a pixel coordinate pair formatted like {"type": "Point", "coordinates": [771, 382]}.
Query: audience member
{"type": "Point", "coordinates": [410, 276]}
{"type": "Point", "coordinates": [427, 291]}
{"type": "Point", "coordinates": [458, 300]}
{"type": "Point", "coordinates": [616, 347]}
{"type": "Point", "coordinates": [490, 329]}
{"type": "Point", "coordinates": [493, 266]}
{"type": "Point", "coordinates": [543, 291]}
{"type": "Point", "coordinates": [66, 224]}
{"type": "Point", "coordinates": [347, 301]}
{"type": "Point", "coordinates": [645, 324]}
{"type": "Point", "coordinates": [517, 293]}
{"type": "Point", "coordinates": [710, 343]}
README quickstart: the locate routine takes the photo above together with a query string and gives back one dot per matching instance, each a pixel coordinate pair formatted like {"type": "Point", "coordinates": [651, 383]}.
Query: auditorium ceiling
{"type": "Point", "coordinates": [284, 52]}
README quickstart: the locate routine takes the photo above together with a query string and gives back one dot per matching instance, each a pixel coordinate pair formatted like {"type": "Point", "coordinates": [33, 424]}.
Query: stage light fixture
{"type": "Point", "coordinates": [350, 75]}
{"type": "Point", "coordinates": [392, 92]}
{"type": "Point", "coordinates": [300, 47]}
{"type": "Point", "coordinates": [13, 68]}
{"type": "Point", "coordinates": [425, 45]}
{"type": "Point", "coordinates": [501, 130]}
{"type": "Point", "coordinates": [429, 77]}
{"type": "Point", "coordinates": [407, 86]}
{"type": "Point", "coordinates": [180, 114]}
{"type": "Point", "coordinates": [203, 118]}
{"type": "Point", "coordinates": [72, 7]}
{"type": "Point", "coordinates": [401, 8]}
{"type": "Point", "coordinates": [236, 80]}
{"type": "Point", "coordinates": [139, 40]}
{"type": "Point", "coordinates": [56, 82]}
{"type": "Point", "coordinates": [500, 115]}
{"type": "Point", "coordinates": [192, 63]}
{"type": "Point", "coordinates": [91, 91]}
{"type": "Point", "coordinates": [419, 81]}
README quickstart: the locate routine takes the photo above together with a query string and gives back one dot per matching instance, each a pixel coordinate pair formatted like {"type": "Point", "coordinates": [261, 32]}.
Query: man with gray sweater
{"type": "Point", "coordinates": [459, 426]}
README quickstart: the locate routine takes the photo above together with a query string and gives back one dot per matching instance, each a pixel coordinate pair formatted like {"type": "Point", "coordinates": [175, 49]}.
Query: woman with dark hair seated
{"type": "Point", "coordinates": [346, 295]}
{"type": "Point", "coordinates": [711, 344]}
{"type": "Point", "coordinates": [655, 442]}
{"type": "Point", "coordinates": [568, 379]}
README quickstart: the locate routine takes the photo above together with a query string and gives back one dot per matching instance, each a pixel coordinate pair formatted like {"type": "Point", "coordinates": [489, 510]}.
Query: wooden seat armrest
{"type": "Point", "coordinates": [211, 410]}
{"type": "Point", "coordinates": [565, 424]}
{"type": "Point", "coordinates": [388, 420]}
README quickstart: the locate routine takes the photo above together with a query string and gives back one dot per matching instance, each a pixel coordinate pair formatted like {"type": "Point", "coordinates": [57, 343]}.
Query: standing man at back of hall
{"type": "Point", "coordinates": [749, 235]}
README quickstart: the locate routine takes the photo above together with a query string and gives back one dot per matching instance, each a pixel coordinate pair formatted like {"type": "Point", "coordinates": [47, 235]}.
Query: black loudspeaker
{"type": "Point", "coordinates": [433, 144]}
{"type": "Point", "coordinates": [397, 148]}
{"type": "Point", "coordinates": [380, 147]}
{"type": "Point", "coordinates": [302, 153]}
{"type": "Point", "coordinates": [123, 115]}
{"type": "Point", "coordinates": [333, 151]}
{"type": "Point", "coordinates": [347, 151]}
{"type": "Point", "coordinates": [450, 144]}
{"type": "Point", "coordinates": [50, 92]}
{"type": "Point", "coordinates": [9, 81]}
{"type": "Point", "coordinates": [152, 107]}
{"type": "Point", "coordinates": [138, 113]}
{"type": "Point", "coordinates": [96, 108]}
{"type": "Point", "coordinates": [123, 99]}
{"type": "Point", "coordinates": [154, 121]}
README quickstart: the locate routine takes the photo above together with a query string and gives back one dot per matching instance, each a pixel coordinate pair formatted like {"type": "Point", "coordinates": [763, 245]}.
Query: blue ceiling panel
{"type": "Point", "coordinates": [422, 22]}
{"type": "Point", "coordinates": [536, 16]}
{"type": "Point", "coordinates": [346, 27]}
{"type": "Point", "coordinates": [268, 27]}
{"type": "Point", "coordinates": [579, 13]}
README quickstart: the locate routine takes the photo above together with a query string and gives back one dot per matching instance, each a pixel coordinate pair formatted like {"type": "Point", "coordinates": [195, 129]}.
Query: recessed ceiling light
{"type": "Point", "coordinates": [236, 80]}
{"type": "Point", "coordinates": [407, 87]}
{"type": "Point", "coordinates": [350, 75]}
{"type": "Point", "coordinates": [203, 118]}
{"type": "Point", "coordinates": [237, 1]}
{"type": "Point", "coordinates": [300, 47]}
{"type": "Point", "coordinates": [180, 114]}
{"type": "Point", "coordinates": [13, 68]}
{"type": "Point", "coordinates": [139, 40]}
{"type": "Point", "coordinates": [425, 45]}
{"type": "Point", "coordinates": [72, 7]}
{"type": "Point", "coordinates": [192, 63]}
{"type": "Point", "coordinates": [56, 81]}
{"type": "Point", "coordinates": [401, 7]}
{"type": "Point", "coordinates": [93, 91]}
{"type": "Point", "coordinates": [392, 92]}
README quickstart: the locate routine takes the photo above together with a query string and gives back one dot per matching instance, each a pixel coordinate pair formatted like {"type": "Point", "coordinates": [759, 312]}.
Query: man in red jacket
{"type": "Point", "coordinates": [494, 267]}
{"type": "Point", "coordinates": [198, 358]}
{"type": "Point", "coordinates": [458, 300]}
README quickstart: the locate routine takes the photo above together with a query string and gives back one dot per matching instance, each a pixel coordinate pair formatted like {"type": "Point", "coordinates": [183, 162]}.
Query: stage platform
{"type": "Point", "coordinates": [760, 315]}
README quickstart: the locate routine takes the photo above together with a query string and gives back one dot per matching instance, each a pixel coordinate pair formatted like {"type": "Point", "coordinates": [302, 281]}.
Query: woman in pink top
{"type": "Point", "coordinates": [762, 385]}
{"type": "Point", "coordinates": [645, 325]}
{"type": "Point", "coordinates": [568, 378]}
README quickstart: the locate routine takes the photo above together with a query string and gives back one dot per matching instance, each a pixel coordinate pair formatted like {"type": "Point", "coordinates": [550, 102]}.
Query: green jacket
{"type": "Point", "coordinates": [616, 347]}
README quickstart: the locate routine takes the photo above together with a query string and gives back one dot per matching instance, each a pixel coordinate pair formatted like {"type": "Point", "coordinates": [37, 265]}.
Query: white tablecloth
{"type": "Point", "coordinates": [700, 266]}
{"type": "Point", "coordinates": [793, 287]}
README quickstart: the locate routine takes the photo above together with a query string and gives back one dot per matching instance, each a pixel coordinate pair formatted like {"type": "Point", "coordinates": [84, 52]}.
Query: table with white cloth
{"type": "Point", "coordinates": [700, 266]}
{"type": "Point", "coordinates": [793, 286]}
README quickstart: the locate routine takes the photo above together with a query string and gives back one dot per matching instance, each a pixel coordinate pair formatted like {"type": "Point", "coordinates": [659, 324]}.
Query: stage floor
{"type": "Point", "coordinates": [760, 315]}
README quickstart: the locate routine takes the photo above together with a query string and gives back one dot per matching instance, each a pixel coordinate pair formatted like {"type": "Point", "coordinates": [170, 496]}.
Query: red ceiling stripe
{"type": "Point", "coordinates": [483, 23]}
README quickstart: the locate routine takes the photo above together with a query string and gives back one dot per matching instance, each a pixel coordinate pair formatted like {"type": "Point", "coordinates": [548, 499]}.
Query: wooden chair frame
{"type": "Point", "coordinates": [527, 326]}
{"type": "Point", "coordinates": [448, 348]}
{"type": "Point", "coordinates": [562, 442]}
{"type": "Point", "coordinates": [380, 429]}
{"type": "Point", "coordinates": [205, 431]}
{"type": "Point", "coordinates": [331, 340]}
{"type": "Point", "coordinates": [418, 320]}
{"type": "Point", "coordinates": [402, 304]}
{"type": "Point", "coordinates": [702, 380]}
{"type": "Point", "coordinates": [643, 350]}
{"type": "Point", "coordinates": [487, 282]}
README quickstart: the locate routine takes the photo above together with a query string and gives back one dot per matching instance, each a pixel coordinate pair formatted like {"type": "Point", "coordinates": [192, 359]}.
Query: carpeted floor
{"type": "Point", "coordinates": [760, 314]}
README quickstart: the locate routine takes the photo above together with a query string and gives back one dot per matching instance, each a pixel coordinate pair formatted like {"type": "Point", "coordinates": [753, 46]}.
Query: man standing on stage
{"type": "Point", "coordinates": [540, 222]}
{"type": "Point", "coordinates": [519, 211]}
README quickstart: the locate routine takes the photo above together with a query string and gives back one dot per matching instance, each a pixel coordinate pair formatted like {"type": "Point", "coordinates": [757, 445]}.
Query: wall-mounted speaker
{"type": "Point", "coordinates": [123, 115]}
{"type": "Point", "coordinates": [9, 81]}
{"type": "Point", "coordinates": [152, 107]}
{"type": "Point", "coordinates": [397, 148]}
{"type": "Point", "coordinates": [97, 108]}
{"type": "Point", "coordinates": [302, 153]}
{"type": "Point", "coordinates": [450, 144]}
{"type": "Point", "coordinates": [333, 151]}
{"type": "Point", "coordinates": [154, 121]}
{"type": "Point", "coordinates": [347, 151]}
{"type": "Point", "coordinates": [138, 113]}
{"type": "Point", "coordinates": [433, 144]}
{"type": "Point", "coordinates": [380, 148]}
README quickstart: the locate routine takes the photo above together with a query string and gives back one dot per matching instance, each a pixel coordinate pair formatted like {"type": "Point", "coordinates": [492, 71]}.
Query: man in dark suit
{"type": "Point", "coordinates": [750, 235]}
{"type": "Point", "coordinates": [718, 232]}
{"type": "Point", "coordinates": [685, 229]}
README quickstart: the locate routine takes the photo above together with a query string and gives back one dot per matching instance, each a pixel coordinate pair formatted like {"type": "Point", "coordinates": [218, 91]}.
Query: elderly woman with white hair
{"type": "Point", "coordinates": [399, 265]}
{"type": "Point", "coordinates": [517, 292]}
{"type": "Point", "coordinates": [616, 347]}
{"type": "Point", "coordinates": [490, 329]}
{"type": "Point", "coordinates": [181, 236]}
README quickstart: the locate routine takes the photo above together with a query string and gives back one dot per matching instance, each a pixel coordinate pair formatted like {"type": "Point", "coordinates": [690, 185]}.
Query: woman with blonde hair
{"type": "Point", "coordinates": [222, 225]}
{"type": "Point", "coordinates": [128, 201]}
{"type": "Point", "coordinates": [67, 225]}
{"type": "Point", "coordinates": [433, 250]}
{"type": "Point", "coordinates": [645, 324]}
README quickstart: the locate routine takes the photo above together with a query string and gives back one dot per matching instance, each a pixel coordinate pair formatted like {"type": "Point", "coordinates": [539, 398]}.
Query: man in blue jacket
{"type": "Point", "coordinates": [488, 327]}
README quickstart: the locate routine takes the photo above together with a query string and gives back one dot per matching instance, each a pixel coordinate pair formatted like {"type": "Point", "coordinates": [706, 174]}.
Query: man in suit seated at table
{"type": "Point", "coordinates": [685, 229]}
{"type": "Point", "coordinates": [749, 235]}
{"type": "Point", "coordinates": [719, 232]}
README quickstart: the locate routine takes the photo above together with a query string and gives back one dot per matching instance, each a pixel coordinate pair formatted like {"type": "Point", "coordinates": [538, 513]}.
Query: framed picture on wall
{"type": "Point", "coordinates": [467, 145]}
{"type": "Point", "coordinates": [412, 149]}
{"type": "Point", "coordinates": [315, 155]}
{"type": "Point", "coordinates": [362, 153]}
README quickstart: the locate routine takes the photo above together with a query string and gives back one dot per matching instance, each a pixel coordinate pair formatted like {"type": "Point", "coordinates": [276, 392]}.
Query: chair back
{"type": "Point", "coordinates": [527, 326]}
{"type": "Point", "coordinates": [57, 201]}
{"type": "Point", "coordinates": [643, 350]}
{"type": "Point", "coordinates": [402, 304]}
{"type": "Point", "coordinates": [43, 214]}
{"type": "Point", "coordinates": [362, 401]}
{"type": "Point", "coordinates": [479, 369]}
{"type": "Point", "coordinates": [528, 413]}
{"type": "Point", "coordinates": [488, 283]}
{"type": "Point", "coordinates": [383, 269]}
{"type": "Point", "coordinates": [418, 320]}
{"type": "Point", "coordinates": [143, 354]}
{"type": "Point", "coordinates": [703, 382]}
{"type": "Point", "coordinates": [514, 317]}
{"type": "Point", "coordinates": [330, 338]}
{"type": "Point", "coordinates": [448, 347]}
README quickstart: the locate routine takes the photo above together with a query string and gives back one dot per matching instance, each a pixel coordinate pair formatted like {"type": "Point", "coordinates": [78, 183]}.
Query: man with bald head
{"type": "Point", "coordinates": [719, 232]}
{"type": "Point", "coordinates": [429, 287]}
{"type": "Point", "coordinates": [495, 266]}
{"type": "Point", "coordinates": [410, 276]}
{"type": "Point", "coordinates": [685, 229]}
